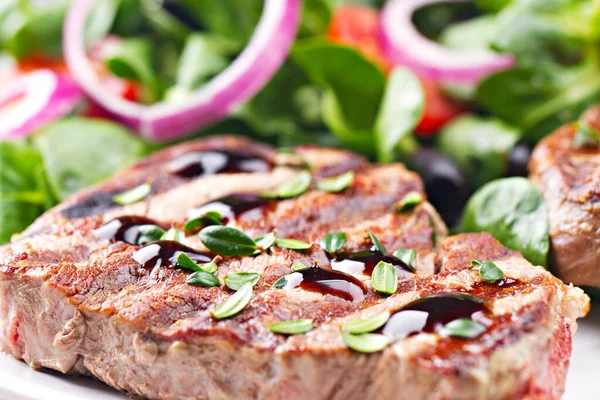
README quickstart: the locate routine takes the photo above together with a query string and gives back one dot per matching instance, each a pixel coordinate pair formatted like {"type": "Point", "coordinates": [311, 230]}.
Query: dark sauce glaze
{"type": "Point", "coordinates": [165, 252]}
{"type": "Point", "coordinates": [95, 204]}
{"type": "Point", "coordinates": [203, 163]}
{"type": "Point", "coordinates": [369, 258]}
{"type": "Point", "coordinates": [335, 283]}
{"type": "Point", "coordinates": [433, 312]}
{"type": "Point", "coordinates": [125, 229]}
{"type": "Point", "coordinates": [234, 206]}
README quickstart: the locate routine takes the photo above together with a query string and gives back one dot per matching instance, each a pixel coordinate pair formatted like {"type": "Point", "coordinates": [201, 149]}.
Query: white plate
{"type": "Point", "coordinates": [19, 382]}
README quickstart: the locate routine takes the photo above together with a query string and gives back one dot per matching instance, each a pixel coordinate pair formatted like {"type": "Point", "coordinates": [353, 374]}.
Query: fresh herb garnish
{"type": "Point", "coordinates": [298, 265]}
{"type": "Point", "coordinates": [293, 327]}
{"type": "Point", "coordinates": [186, 262]}
{"type": "Point", "coordinates": [292, 244]}
{"type": "Point", "coordinates": [236, 280]}
{"type": "Point", "coordinates": [366, 342]}
{"type": "Point", "coordinates": [366, 325]}
{"type": "Point", "coordinates": [410, 201]}
{"type": "Point", "coordinates": [384, 278]}
{"type": "Point", "coordinates": [490, 272]}
{"type": "Point", "coordinates": [333, 241]}
{"type": "Point", "coordinates": [337, 183]}
{"type": "Point", "coordinates": [173, 234]}
{"type": "Point", "coordinates": [407, 256]}
{"type": "Point", "coordinates": [586, 135]}
{"type": "Point", "coordinates": [475, 263]}
{"type": "Point", "coordinates": [227, 241]}
{"type": "Point", "coordinates": [377, 244]}
{"type": "Point", "coordinates": [235, 303]}
{"type": "Point", "coordinates": [280, 283]}
{"type": "Point", "coordinates": [210, 267]}
{"type": "Point", "coordinates": [203, 278]}
{"type": "Point", "coordinates": [134, 195]}
{"type": "Point", "coordinates": [208, 219]}
{"type": "Point", "coordinates": [265, 241]}
{"type": "Point", "coordinates": [463, 328]}
{"type": "Point", "coordinates": [148, 234]}
{"type": "Point", "coordinates": [292, 188]}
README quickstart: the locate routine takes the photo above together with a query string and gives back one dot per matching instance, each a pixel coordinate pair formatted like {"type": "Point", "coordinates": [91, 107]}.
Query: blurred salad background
{"type": "Point", "coordinates": [458, 90]}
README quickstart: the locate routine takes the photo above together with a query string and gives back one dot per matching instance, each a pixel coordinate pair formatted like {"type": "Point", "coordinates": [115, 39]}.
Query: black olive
{"type": "Point", "coordinates": [445, 183]}
{"type": "Point", "coordinates": [518, 160]}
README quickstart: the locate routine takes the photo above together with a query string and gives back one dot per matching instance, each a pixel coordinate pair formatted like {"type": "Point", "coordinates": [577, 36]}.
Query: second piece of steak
{"type": "Point", "coordinates": [568, 175]}
{"type": "Point", "coordinates": [79, 302]}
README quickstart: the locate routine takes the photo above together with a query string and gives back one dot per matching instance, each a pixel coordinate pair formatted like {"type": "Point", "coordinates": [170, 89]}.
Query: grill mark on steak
{"type": "Point", "coordinates": [127, 307]}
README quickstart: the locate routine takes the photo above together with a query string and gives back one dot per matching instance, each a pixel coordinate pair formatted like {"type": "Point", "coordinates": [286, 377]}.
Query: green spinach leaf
{"type": "Point", "coordinates": [513, 211]}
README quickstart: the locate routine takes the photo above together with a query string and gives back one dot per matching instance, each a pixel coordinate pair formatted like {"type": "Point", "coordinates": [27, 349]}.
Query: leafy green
{"type": "Point", "coordinates": [236, 280]}
{"type": "Point", "coordinates": [295, 187]}
{"type": "Point", "coordinates": [133, 60]}
{"type": "Point", "coordinates": [294, 327]}
{"type": "Point", "coordinates": [385, 278]}
{"type": "Point", "coordinates": [149, 233]}
{"type": "Point", "coordinates": [410, 201]}
{"type": "Point", "coordinates": [490, 272]}
{"type": "Point", "coordinates": [21, 199]}
{"type": "Point", "coordinates": [173, 234]}
{"type": "Point", "coordinates": [353, 89]}
{"type": "Point", "coordinates": [235, 303]}
{"type": "Point", "coordinates": [336, 184]}
{"type": "Point", "coordinates": [401, 110]}
{"type": "Point", "coordinates": [539, 99]}
{"type": "Point", "coordinates": [134, 195]}
{"type": "Point", "coordinates": [463, 328]}
{"type": "Point", "coordinates": [513, 211]}
{"type": "Point", "coordinates": [292, 244]}
{"type": "Point", "coordinates": [203, 56]}
{"type": "Point", "coordinates": [377, 244]}
{"type": "Point", "coordinates": [298, 265]}
{"type": "Point", "coordinates": [406, 256]}
{"type": "Point", "coordinates": [227, 241]}
{"type": "Point", "coordinates": [265, 241]}
{"type": "Point", "coordinates": [366, 325]}
{"type": "Point", "coordinates": [203, 278]}
{"type": "Point", "coordinates": [333, 241]}
{"type": "Point", "coordinates": [366, 342]}
{"type": "Point", "coordinates": [79, 152]}
{"type": "Point", "coordinates": [480, 146]}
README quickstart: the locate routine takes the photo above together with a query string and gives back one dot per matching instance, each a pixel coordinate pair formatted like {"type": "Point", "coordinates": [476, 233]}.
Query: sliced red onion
{"type": "Point", "coordinates": [404, 45]}
{"type": "Point", "coordinates": [251, 70]}
{"type": "Point", "coordinates": [35, 99]}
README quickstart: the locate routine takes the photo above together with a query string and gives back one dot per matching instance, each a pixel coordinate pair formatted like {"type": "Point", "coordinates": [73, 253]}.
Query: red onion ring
{"type": "Point", "coordinates": [224, 94]}
{"type": "Point", "coordinates": [36, 99]}
{"type": "Point", "coordinates": [404, 45]}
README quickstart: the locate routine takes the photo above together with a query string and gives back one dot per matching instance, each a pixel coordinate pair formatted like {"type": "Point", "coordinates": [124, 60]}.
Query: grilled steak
{"type": "Point", "coordinates": [77, 301]}
{"type": "Point", "coordinates": [568, 175]}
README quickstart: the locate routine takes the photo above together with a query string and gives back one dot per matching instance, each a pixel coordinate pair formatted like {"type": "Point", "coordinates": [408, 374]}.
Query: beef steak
{"type": "Point", "coordinates": [78, 302]}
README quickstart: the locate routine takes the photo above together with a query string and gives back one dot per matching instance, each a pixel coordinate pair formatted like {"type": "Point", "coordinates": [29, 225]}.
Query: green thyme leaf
{"type": "Point", "coordinates": [279, 283]}
{"type": "Point", "coordinates": [173, 234]}
{"type": "Point", "coordinates": [134, 195]}
{"type": "Point", "coordinates": [208, 219]}
{"type": "Point", "coordinates": [149, 233]}
{"type": "Point", "coordinates": [298, 265]}
{"type": "Point", "coordinates": [366, 325]}
{"type": "Point", "coordinates": [586, 135]}
{"type": "Point", "coordinates": [337, 183]}
{"type": "Point", "coordinates": [236, 280]}
{"type": "Point", "coordinates": [410, 201]}
{"type": "Point", "coordinates": [265, 241]}
{"type": "Point", "coordinates": [406, 256]}
{"type": "Point", "coordinates": [203, 278]}
{"type": "Point", "coordinates": [463, 328]}
{"type": "Point", "coordinates": [293, 327]}
{"type": "Point", "coordinates": [184, 261]}
{"type": "Point", "coordinates": [227, 241]}
{"type": "Point", "coordinates": [378, 244]}
{"type": "Point", "coordinates": [292, 244]}
{"type": "Point", "coordinates": [292, 188]}
{"type": "Point", "coordinates": [333, 241]}
{"type": "Point", "coordinates": [366, 342]}
{"type": "Point", "coordinates": [384, 278]}
{"type": "Point", "coordinates": [475, 263]}
{"type": "Point", "coordinates": [235, 303]}
{"type": "Point", "coordinates": [210, 267]}
{"type": "Point", "coordinates": [490, 272]}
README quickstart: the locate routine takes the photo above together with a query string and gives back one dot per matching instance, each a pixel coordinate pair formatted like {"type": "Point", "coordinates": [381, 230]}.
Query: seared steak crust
{"type": "Point", "coordinates": [79, 304]}
{"type": "Point", "coordinates": [569, 178]}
